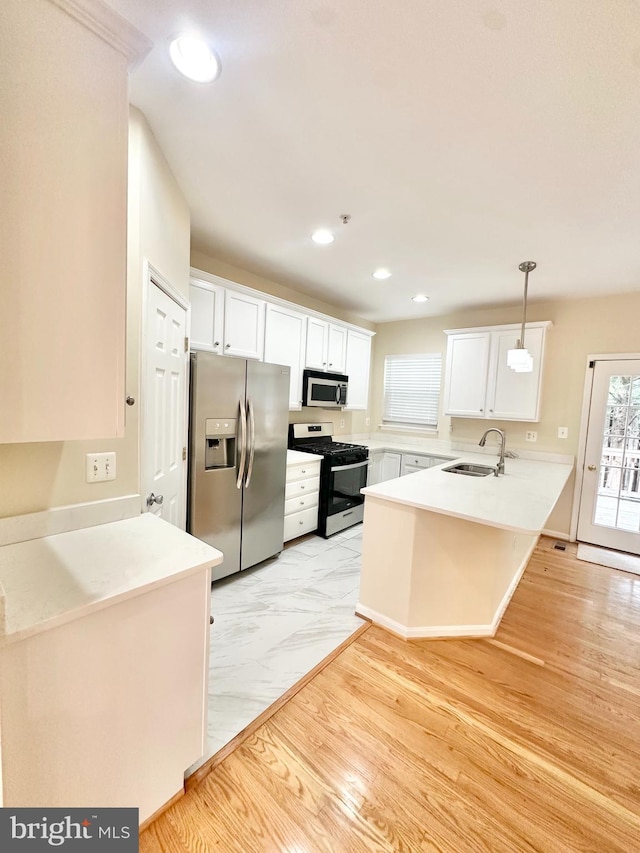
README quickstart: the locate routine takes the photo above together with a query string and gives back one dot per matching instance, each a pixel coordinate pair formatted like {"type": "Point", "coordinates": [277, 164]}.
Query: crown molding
{"type": "Point", "coordinates": [110, 27]}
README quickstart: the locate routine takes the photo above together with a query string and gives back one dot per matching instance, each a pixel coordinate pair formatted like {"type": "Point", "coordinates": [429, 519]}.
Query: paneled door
{"type": "Point", "coordinates": [609, 512]}
{"type": "Point", "coordinates": [164, 400]}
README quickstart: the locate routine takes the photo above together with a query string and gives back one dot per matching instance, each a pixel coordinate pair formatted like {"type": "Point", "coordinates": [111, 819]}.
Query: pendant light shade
{"type": "Point", "coordinates": [520, 359]}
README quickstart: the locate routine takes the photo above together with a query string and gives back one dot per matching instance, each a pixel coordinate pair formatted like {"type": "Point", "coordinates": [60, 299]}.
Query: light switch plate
{"type": "Point", "coordinates": [563, 432]}
{"type": "Point", "coordinates": [100, 467]}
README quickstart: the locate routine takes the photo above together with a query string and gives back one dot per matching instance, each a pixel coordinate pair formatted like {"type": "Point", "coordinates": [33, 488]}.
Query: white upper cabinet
{"type": "Point", "coordinates": [326, 346]}
{"type": "Point", "coordinates": [317, 350]}
{"type": "Point", "coordinates": [337, 354]}
{"type": "Point", "coordinates": [478, 382]}
{"type": "Point", "coordinates": [230, 319]}
{"type": "Point", "coordinates": [207, 316]}
{"type": "Point", "coordinates": [284, 343]}
{"type": "Point", "coordinates": [63, 239]}
{"type": "Point", "coordinates": [243, 325]}
{"type": "Point", "coordinates": [466, 374]}
{"type": "Point", "coordinates": [357, 369]}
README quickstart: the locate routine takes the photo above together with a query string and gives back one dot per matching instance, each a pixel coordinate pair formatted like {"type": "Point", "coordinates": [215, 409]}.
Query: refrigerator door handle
{"type": "Point", "coordinates": [252, 439]}
{"type": "Point", "coordinates": [243, 444]}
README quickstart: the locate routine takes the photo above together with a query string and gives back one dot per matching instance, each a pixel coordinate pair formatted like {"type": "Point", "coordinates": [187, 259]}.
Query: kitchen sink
{"type": "Point", "coordinates": [471, 470]}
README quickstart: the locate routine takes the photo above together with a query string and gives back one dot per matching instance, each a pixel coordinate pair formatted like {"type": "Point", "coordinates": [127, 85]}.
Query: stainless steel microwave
{"type": "Point", "coordinates": [324, 390]}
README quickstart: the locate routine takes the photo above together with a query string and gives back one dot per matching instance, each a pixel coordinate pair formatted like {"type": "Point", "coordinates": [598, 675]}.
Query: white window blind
{"type": "Point", "coordinates": [412, 389]}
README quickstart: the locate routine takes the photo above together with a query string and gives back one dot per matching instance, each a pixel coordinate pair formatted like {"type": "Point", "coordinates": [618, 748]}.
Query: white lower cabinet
{"type": "Point", "coordinates": [383, 465]}
{"type": "Point", "coordinates": [387, 465]}
{"type": "Point", "coordinates": [412, 462]}
{"type": "Point", "coordinates": [301, 498]}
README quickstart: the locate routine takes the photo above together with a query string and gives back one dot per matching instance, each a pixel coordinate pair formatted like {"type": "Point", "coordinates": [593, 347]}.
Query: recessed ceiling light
{"type": "Point", "coordinates": [420, 297]}
{"type": "Point", "coordinates": [194, 58]}
{"type": "Point", "coordinates": [381, 274]}
{"type": "Point", "coordinates": [322, 237]}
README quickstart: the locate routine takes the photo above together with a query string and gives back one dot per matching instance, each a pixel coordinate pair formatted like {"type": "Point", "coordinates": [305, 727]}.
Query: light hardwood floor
{"type": "Point", "coordinates": [530, 741]}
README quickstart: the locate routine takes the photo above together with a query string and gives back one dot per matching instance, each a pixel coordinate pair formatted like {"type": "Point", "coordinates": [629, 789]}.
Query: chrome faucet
{"type": "Point", "coordinates": [503, 438]}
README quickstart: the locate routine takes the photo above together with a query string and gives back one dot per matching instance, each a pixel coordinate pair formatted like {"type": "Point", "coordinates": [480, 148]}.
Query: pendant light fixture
{"type": "Point", "coordinates": [519, 359]}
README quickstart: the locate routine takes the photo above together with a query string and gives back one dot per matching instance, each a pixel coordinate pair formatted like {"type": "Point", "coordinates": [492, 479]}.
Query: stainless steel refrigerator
{"type": "Point", "coordinates": [239, 417]}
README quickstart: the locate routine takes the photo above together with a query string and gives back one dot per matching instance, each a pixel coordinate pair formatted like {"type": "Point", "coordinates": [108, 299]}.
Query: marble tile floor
{"type": "Point", "coordinates": [274, 623]}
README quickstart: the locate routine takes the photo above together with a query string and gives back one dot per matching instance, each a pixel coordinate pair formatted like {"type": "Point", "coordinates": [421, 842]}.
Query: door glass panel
{"type": "Point", "coordinates": [618, 499]}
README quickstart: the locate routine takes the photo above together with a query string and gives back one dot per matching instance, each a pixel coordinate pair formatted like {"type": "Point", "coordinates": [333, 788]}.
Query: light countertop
{"type": "Point", "coordinates": [55, 579]}
{"type": "Point", "coordinates": [295, 457]}
{"type": "Point", "coordinates": [521, 499]}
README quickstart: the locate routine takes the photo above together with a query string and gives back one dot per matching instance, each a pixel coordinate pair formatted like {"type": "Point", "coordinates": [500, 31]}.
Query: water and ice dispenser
{"type": "Point", "coordinates": [220, 443]}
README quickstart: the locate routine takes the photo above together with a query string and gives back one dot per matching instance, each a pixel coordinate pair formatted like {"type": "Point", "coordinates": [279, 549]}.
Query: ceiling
{"type": "Point", "coordinates": [461, 136]}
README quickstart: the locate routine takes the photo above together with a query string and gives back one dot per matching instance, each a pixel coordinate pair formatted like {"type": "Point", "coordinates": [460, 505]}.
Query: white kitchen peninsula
{"type": "Point", "coordinates": [443, 552]}
{"type": "Point", "coordinates": [104, 637]}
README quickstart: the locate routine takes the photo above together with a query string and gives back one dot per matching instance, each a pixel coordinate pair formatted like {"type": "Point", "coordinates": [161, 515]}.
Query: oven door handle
{"type": "Point", "coordinates": [349, 467]}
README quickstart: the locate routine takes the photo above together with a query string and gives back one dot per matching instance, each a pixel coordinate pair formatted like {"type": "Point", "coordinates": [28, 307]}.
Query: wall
{"type": "Point", "coordinates": [580, 327]}
{"type": "Point", "coordinates": [354, 422]}
{"type": "Point", "coordinates": [40, 476]}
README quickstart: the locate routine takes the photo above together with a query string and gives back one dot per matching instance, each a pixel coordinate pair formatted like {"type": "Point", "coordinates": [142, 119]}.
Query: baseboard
{"type": "Point", "coordinates": [555, 534]}
{"type": "Point", "coordinates": [62, 519]}
{"type": "Point", "coordinates": [145, 823]}
{"type": "Point", "coordinates": [423, 633]}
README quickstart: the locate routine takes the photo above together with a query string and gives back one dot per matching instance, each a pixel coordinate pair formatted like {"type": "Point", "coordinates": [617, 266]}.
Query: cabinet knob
{"type": "Point", "coordinates": [324, 363]}
{"type": "Point", "coordinates": [330, 364]}
{"type": "Point", "coordinates": [227, 346]}
{"type": "Point", "coordinates": [304, 471]}
{"type": "Point", "coordinates": [211, 620]}
{"type": "Point", "coordinates": [490, 411]}
{"type": "Point", "coordinates": [216, 343]}
{"type": "Point", "coordinates": [302, 487]}
{"type": "Point", "coordinates": [301, 522]}
{"type": "Point", "coordinates": [482, 410]}
{"type": "Point", "coordinates": [591, 467]}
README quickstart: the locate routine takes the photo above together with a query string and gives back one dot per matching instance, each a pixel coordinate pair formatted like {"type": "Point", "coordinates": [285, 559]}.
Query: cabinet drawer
{"type": "Point", "coordinates": [303, 470]}
{"type": "Point", "coordinates": [416, 461]}
{"type": "Point", "coordinates": [303, 501]}
{"type": "Point", "coordinates": [301, 487]}
{"type": "Point", "coordinates": [300, 522]}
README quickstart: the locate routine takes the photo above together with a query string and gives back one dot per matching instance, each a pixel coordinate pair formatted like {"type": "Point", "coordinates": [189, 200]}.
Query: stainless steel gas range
{"type": "Point", "coordinates": [343, 472]}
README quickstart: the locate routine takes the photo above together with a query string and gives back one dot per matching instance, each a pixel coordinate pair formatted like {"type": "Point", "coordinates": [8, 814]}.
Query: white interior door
{"type": "Point", "coordinates": [609, 512]}
{"type": "Point", "coordinates": [163, 450]}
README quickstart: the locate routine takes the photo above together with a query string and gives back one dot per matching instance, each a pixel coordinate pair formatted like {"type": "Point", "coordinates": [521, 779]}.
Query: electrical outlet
{"type": "Point", "coordinates": [531, 435]}
{"type": "Point", "coordinates": [101, 466]}
{"type": "Point", "coordinates": [367, 421]}
{"type": "Point", "coordinates": [563, 432]}
{"type": "Point", "coordinates": [341, 423]}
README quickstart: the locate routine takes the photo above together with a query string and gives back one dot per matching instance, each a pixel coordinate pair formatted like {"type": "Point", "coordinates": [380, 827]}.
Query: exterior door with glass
{"type": "Point", "coordinates": [609, 512]}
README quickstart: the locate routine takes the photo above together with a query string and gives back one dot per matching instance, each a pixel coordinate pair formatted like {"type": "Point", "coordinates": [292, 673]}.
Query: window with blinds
{"type": "Point", "coordinates": [412, 389]}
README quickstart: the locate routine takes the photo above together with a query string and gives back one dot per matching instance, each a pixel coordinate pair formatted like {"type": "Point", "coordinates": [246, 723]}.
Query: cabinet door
{"type": "Point", "coordinates": [207, 316]}
{"type": "Point", "coordinates": [317, 343]}
{"type": "Point", "coordinates": [374, 469]}
{"type": "Point", "coordinates": [357, 369]}
{"type": "Point", "coordinates": [63, 171]}
{"type": "Point", "coordinates": [466, 374]}
{"type": "Point", "coordinates": [515, 396]}
{"type": "Point", "coordinates": [412, 462]}
{"type": "Point", "coordinates": [390, 467]}
{"type": "Point", "coordinates": [243, 325]}
{"type": "Point", "coordinates": [284, 342]}
{"type": "Point", "coordinates": [337, 357]}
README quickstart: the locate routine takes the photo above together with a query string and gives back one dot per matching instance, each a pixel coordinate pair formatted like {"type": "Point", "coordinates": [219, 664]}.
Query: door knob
{"type": "Point", "coordinates": [154, 499]}
{"type": "Point", "coordinates": [591, 467]}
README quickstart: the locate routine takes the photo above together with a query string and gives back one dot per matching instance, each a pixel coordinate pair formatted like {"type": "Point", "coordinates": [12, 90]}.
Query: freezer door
{"type": "Point", "coordinates": [215, 502]}
{"type": "Point", "coordinates": [268, 423]}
